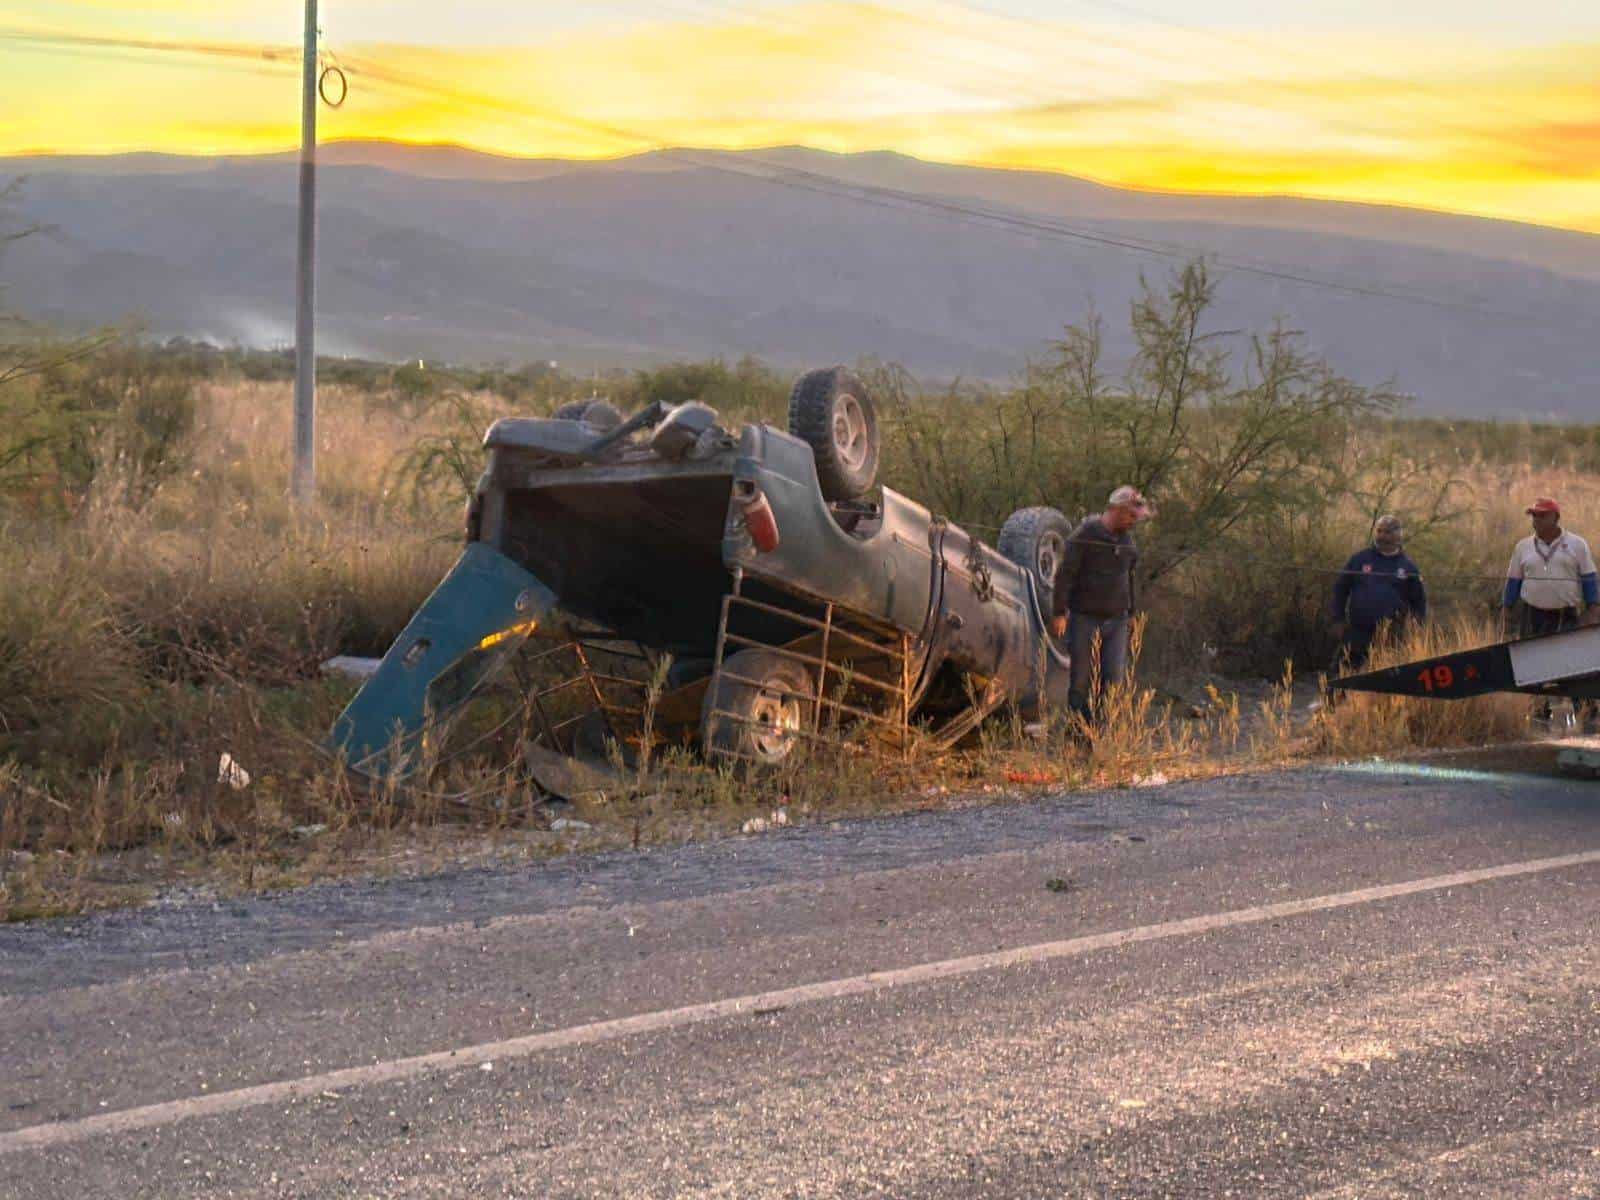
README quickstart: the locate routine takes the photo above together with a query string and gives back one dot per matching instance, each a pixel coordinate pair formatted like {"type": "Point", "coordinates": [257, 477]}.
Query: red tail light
{"type": "Point", "coordinates": [760, 521]}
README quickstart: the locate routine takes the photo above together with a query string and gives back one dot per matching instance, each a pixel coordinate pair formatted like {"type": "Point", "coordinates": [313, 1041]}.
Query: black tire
{"type": "Point", "coordinates": [1036, 539]}
{"type": "Point", "coordinates": [602, 414]}
{"type": "Point", "coordinates": [831, 411]}
{"type": "Point", "coordinates": [759, 711]}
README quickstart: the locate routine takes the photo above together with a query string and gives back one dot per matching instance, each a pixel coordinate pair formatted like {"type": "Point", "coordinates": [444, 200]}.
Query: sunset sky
{"type": "Point", "coordinates": [1466, 105]}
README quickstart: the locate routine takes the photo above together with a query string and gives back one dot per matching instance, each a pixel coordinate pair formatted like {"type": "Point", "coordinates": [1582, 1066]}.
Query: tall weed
{"type": "Point", "coordinates": [1360, 723]}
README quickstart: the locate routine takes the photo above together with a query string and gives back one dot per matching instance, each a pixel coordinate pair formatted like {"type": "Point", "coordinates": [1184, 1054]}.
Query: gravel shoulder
{"type": "Point", "coordinates": [1422, 1046]}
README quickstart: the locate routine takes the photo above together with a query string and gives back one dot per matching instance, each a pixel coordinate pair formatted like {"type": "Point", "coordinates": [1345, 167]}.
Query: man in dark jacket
{"type": "Point", "coordinates": [1378, 584]}
{"type": "Point", "coordinates": [1095, 597]}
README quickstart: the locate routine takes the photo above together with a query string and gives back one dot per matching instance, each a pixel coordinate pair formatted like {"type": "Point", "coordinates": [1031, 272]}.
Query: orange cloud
{"type": "Point", "coordinates": [1476, 128]}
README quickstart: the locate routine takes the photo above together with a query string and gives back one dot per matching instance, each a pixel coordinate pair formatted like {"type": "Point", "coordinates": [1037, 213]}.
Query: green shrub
{"type": "Point", "coordinates": [1243, 442]}
{"type": "Point", "coordinates": [116, 416]}
{"type": "Point", "coordinates": [744, 392]}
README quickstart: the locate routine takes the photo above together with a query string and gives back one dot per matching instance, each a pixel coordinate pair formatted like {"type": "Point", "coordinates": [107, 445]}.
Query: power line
{"type": "Point", "coordinates": [682, 8]}
{"type": "Point", "coordinates": [783, 174]}
{"type": "Point", "coordinates": [1278, 270]}
{"type": "Point", "coordinates": [707, 8]}
{"type": "Point", "coordinates": [179, 59]}
{"type": "Point", "coordinates": [690, 8]}
{"type": "Point", "coordinates": [1171, 250]}
{"type": "Point", "coordinates": [262, 52]}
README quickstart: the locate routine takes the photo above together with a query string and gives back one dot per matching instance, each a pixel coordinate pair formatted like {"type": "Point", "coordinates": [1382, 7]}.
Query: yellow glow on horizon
{"type": "Point", "coordinates": [1478, 129]}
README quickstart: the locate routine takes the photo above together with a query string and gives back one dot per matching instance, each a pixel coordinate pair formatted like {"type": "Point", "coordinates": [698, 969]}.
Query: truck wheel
{"type": "Point", "coordinates": [602, 414]}
{"type": "Point", "coordinates": [756, 721]}
{"type": "Point", "coordinates": [830, 410]}
{"type": "Point", "coordinates": [1036, 539]}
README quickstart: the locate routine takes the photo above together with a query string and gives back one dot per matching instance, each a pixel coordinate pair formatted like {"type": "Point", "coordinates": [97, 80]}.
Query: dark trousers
{"type": "Point", "coordinates": [1354, 647]}
{"type": "Point", "coordinates": [1539, 621]}
{"type": "Point", "coordinates": [1083, 633]}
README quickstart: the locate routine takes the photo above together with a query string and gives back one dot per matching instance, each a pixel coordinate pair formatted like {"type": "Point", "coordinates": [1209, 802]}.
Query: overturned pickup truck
{"type": "Point", "coordinates": [791, 593]}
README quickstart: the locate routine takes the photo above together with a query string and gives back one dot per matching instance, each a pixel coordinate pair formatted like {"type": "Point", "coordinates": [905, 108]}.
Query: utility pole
{"type": "Point", "coordinates": [305, 352]}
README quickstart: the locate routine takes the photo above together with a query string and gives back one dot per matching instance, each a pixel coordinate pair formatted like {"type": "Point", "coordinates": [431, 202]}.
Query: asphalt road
{"type": "Point", "coordinates": [1342, 983]}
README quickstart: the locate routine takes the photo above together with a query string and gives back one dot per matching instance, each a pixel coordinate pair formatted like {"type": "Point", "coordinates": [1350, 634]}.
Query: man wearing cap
{"type": "Point", "coordinates": [1095, 596]}
{"type": "Point", "coordinates": [1378, 584]}
{"type": "Point", "coordinates": [1552, 572]}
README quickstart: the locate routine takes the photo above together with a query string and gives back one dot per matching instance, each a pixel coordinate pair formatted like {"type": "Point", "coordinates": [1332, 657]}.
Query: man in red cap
{"type": "Point", "coordinates": [1552, 573]}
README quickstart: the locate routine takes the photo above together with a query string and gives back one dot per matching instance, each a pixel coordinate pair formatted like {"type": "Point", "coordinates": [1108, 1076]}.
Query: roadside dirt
{"type": "Point", "coordinates": [53, 885]}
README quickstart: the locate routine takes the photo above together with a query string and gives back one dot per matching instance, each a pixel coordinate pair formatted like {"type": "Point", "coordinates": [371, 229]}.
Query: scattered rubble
{"type": "Point", "coordinates": [778, 819]}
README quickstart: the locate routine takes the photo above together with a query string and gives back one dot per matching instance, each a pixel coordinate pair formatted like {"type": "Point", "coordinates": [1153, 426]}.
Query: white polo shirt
{"type": "Point", "coordinates": [1550, 571]}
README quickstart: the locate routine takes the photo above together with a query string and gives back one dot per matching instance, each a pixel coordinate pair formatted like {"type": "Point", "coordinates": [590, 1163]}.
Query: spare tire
{"type": "Point", "coordinates": [1036, 539]}
{"type": "Point", "coordinates": [831, 412]}
{"type": "Point", "coordinates": [601, 414]}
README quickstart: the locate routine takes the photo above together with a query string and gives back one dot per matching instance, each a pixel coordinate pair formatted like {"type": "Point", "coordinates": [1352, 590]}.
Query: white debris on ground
{"type": "Point", "coordinates": [565, 824]}
{"type": "Point", "coordinates": [231, 773]}
{"type": "Point", "coordinates": [778, 819]}
{"type": "Point", "coordinates": [1154, 779]}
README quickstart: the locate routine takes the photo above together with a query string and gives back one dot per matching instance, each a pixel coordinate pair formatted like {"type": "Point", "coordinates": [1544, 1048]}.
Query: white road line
{"type": "Point", "coordinates": [59, 1133]}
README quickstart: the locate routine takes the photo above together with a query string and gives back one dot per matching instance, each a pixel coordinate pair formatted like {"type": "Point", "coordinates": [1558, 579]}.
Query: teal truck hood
{"type": "Point", "coordinates": [476, 618]}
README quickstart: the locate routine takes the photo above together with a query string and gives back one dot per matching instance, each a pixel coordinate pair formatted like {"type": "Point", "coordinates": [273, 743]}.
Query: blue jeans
{"type": "Point", "coordinates": [1083, 632]}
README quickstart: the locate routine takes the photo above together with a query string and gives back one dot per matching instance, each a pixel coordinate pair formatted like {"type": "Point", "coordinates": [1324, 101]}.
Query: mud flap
{"type": "Point", "coordinates": [476, 618]}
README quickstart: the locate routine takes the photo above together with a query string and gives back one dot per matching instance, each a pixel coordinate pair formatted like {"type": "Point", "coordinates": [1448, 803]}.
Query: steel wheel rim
{"type": "Point", "coordinates": [851, 440]}
{"type": "Point", "coordinates": [1052, 549]}
{"type": "Point", "coordinates": [774, 720]}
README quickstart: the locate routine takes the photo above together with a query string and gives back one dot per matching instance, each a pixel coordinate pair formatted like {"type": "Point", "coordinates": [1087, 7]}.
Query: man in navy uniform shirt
{"type": "Point", "coordinates": [1378, 584]}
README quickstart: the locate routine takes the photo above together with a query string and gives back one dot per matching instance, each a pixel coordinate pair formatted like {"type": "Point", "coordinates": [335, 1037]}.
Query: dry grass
{"type": "Point", "coordinates": [141, 643]}
{"type": "Point", "coordinates": [1360, 724]}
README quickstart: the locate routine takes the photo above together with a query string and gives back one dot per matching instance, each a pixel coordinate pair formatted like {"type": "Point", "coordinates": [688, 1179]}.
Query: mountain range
{"type": "Point", "coordinates": [795, 256]}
